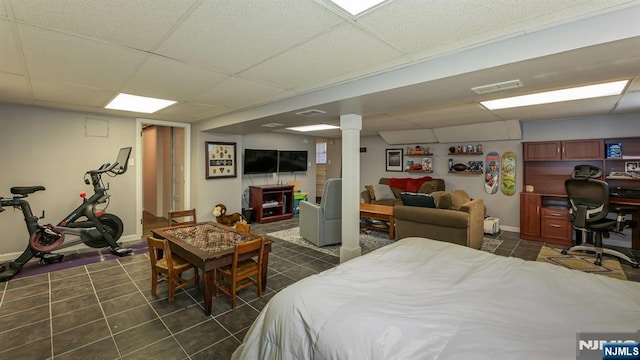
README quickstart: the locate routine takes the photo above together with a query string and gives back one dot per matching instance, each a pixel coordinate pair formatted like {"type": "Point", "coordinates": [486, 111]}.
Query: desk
{"type": "Point", "coordinates": [209, 246]}
{"type": "Point", "coordinates": [635, 216]}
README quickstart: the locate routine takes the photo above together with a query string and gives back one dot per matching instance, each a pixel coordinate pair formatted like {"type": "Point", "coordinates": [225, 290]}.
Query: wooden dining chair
{"type": "Point", "coordinates": [186, 217]}
{"type": "Point", "coordinates": [168, 267]}
{"type": "Point", "coordinates": [241, 274]}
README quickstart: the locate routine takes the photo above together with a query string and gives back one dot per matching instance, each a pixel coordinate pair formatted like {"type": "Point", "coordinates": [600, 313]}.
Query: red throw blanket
{"type": "Point", "coordinates": [408, 184]}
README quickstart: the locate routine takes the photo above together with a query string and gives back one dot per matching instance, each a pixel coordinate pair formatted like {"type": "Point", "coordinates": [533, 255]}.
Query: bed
{"type": "Point", "coordinates": [425, 299]}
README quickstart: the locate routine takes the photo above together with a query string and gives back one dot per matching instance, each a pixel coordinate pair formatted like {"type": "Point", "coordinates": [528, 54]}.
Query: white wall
{"type": "Point", "coordinates": [50, 148]}
{"type": "Point", "coordinates": [507, 208]}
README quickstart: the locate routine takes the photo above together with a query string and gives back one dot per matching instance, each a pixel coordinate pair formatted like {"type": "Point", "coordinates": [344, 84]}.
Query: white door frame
{"type": "Point", "coordinates": [187, 164]}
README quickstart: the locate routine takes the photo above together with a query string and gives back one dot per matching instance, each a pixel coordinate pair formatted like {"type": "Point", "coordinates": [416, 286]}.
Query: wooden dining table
{"type": "Point", "coordinates": [209, 246]}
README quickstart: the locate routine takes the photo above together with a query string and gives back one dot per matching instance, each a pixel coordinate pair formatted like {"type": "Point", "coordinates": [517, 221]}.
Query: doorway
{"type": "Point", "coordinates": [163, 174]}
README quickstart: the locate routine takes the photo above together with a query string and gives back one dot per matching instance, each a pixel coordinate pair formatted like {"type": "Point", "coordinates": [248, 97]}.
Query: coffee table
{"type": "Point", "coordinates": [379, 212]}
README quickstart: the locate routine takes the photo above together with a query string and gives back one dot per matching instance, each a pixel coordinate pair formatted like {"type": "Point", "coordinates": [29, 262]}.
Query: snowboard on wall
{"type": "Point", "coordinates": [492, 173]}
{"type": "Point", "coordinates": [508, 173]}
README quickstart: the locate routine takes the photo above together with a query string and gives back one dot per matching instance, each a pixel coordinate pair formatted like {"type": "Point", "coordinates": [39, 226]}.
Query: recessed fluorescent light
{"type": "Point", "coordinates": [313, 127]}
{"type": "Point", "coordinates": [548, 97]}
{"type": "Point", "coordinates": [136, 103]}
{"type": "Point", "coordinates": [355, 7]}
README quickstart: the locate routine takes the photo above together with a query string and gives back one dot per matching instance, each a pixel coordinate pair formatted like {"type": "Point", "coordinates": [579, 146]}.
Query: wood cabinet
{"type": "Point", "coordinates": [555, 226]}
{"type": "Point", "coordinates": [530, 205]}
{"type": "Point", "coordinates": [564, 150]}
{"type": "Point", "coordinates": [545, 218]}
{"type": "Point", "coordinates": [271, 203]}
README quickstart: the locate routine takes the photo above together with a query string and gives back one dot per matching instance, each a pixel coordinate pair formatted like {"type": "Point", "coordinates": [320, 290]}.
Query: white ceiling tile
{"type": "Point", "coordinates": [3, 10]}
{"type": "Point", "coordinates": [63, 93]}
{"type": "Point", "coordinates": [13, 86]}
{"type": "Point", "coordinates": [630, 102]}
{"type": "Point", "coordinates": [10, 59]}
{"type": "Point", "coordinates": [448, 116]}
{"type": "Point", "coordinates": [172, 80]}
{"type": "Point", "coordinates": [236, 92]}
{"type": "Point", "coordinates": [232, 35]}
{"type": "Point", "coordinates": [384, 123]}
{"type": "Point", "coordinates": [53, 56]}
{"type": "Point", "coordinates": [456, 20]}
{"type": "Point", "coordinates": [345, 50]}
{"type": "Point", "coordinates": [189, 112]}
{"type": "Point", "coordinates": [138, 24]}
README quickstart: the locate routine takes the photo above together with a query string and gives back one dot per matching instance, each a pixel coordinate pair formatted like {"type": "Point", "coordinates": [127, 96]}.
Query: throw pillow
{"type": "Point", "coordinates": [459, 198]}
{"type": "Point", "coordinates": [383, 192]}
{"type": "Point", "coordinates": [417, 199]}
{"type": "Point", "coordinates": [372, 194]}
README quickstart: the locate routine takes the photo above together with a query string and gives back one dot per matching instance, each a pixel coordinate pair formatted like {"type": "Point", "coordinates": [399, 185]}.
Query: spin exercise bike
{"type": "Point", "coordinates": [94, 227]}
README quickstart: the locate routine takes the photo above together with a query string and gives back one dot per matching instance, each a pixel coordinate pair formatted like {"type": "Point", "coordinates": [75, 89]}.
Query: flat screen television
{"type": "Point", "coordinates": [260, 161]}
{"type": "Point", "coordinates": [292, 161]}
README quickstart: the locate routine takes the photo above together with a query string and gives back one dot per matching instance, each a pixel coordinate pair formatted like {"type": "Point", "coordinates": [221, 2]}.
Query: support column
{"type": "Point", "coordinates": [350, 124]}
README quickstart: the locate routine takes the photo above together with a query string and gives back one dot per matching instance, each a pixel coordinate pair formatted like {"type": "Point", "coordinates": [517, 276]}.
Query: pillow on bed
{"type": "Point", "coordinates": [417, 199]}
{"type": "Point", "coordinates": [383, 192]}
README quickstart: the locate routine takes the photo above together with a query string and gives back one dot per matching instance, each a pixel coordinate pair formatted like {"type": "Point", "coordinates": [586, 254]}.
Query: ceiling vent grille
{"type": "Point", "coordinates": [272, 125]}
{"type": "Point", "coordinates": [311, 112]}
{"type": "Point", "coordinates": [484, 89]}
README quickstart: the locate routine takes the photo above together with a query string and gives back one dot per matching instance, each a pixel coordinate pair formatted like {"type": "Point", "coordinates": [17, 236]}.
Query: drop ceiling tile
{"type": "Point", "coordinates": [13, 86]}
{"type": "Point", "coordinates": [10, 60]}
{"type": "Point", "coordinates": [138, 24]}
{"type": "Point", "coordinates": [3, 10]}
{"type": "Point", "coordinates": [383, 123]}
{"type": "Point", "coordinates": [232, 35]}
{"type": "Point", "coordinates": [438, 23]}
{"type": "Point", "coordinates": [53, 56]}
{"type": "Point", "coordinates": [630, 102]}
{"type": "Point", "coordinates": [170, 79]}
{"type": "Point", "coordinates": [448, 116]}
{"type": "Point", "coordinates": [344, 50]}
{"type": "Point", "coordinates": [64, 93]}
{"type": "Point", "coordinates": [186, 112]}
{"type": "Point", "coordinates": [237, 93]}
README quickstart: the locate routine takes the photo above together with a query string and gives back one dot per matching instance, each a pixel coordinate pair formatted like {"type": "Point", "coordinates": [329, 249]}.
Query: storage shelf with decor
{"type": "Point", "coordinates": [418, 150]}
{"type": "Point", "coordinates": [465, 150]}
{"type": "Point", "coordinates": [419, 166]}
{"type": "Point", "coordinates": [419, 171]}
{"type": "Point", "coordinates": [465, 172]}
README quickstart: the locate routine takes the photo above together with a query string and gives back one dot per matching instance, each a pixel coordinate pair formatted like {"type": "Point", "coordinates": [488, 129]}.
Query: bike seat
{"type": "Point", "coordinates": [25, 190]}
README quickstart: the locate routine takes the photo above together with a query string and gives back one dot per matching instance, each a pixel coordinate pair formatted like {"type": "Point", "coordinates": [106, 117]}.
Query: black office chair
{"type": "Point", "coordinates": [588, 210]}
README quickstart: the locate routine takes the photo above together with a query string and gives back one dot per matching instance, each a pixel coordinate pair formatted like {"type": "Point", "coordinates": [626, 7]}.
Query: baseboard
{"type": "Point", "coordinates": [79, 248]}
{"type": "Point", "coordinates": [509, 228]}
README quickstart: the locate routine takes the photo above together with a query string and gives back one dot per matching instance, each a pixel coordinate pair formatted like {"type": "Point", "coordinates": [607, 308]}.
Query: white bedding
{"type": "Point", "coordinates": [426, 299]}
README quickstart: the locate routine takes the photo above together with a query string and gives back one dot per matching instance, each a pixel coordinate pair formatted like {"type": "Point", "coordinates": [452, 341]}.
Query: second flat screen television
{"type": "Point", "coordinates": [292, 161]}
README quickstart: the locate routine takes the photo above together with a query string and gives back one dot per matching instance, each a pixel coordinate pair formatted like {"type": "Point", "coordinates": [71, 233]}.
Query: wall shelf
{"type": "Point", "coordinates": [466, 154]}
{"type": "Point", "coordinates": [419, 171]}
{"type": "Point", "coordinates": [466, 172]}
{"type": "Point", "coordinates": [427, 155]}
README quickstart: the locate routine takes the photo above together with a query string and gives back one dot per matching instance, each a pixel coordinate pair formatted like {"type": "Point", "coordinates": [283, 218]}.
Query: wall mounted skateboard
{"type": "Point", "coordinates": [492, 173]}
{"type": "Point", "coordinates": [508, 173]}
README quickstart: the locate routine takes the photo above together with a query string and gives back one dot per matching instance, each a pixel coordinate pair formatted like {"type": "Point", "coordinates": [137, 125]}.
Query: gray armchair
{"type": "Point", "coordinates": [322, 224]}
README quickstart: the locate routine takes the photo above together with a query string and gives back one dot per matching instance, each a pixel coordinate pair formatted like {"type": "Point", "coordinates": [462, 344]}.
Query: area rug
{"type": "Point", "coordinates": [583, 262]}
{"type": "Point", "coordinates": [368, 241]}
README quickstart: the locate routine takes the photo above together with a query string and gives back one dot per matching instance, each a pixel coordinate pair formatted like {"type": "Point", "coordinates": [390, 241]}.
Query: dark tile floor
{"type": "Point", "coordinates": [104, 310]}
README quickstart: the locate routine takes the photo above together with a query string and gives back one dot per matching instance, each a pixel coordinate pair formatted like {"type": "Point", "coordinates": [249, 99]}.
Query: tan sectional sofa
{"type": "Point", "coordinates": [456, 219]}
{"type": "Point", "coordinates": [427, 187]}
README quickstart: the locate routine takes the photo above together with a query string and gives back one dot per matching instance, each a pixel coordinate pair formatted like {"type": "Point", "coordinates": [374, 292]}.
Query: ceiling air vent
{"type": "Point", "coordinates": [311, 112]}
{"type": "Point", "coordinates": [484, 89]}
{"type": "Point", "coordinates": [272, 125]}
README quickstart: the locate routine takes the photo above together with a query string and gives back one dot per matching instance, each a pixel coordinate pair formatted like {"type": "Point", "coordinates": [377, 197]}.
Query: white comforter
{"type": "Point", "coordinates": [425, 299]}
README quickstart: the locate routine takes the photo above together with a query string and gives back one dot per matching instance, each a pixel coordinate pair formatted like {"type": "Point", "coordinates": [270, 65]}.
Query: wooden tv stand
{"type": "Point", "coordinates": [271, 202]}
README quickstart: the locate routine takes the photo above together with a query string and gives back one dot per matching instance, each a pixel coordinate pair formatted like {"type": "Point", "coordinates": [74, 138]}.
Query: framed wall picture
{"type": "Point", "coordinates": [394, 160]}
{"type": "Point", "coordinates": [220, 160]}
